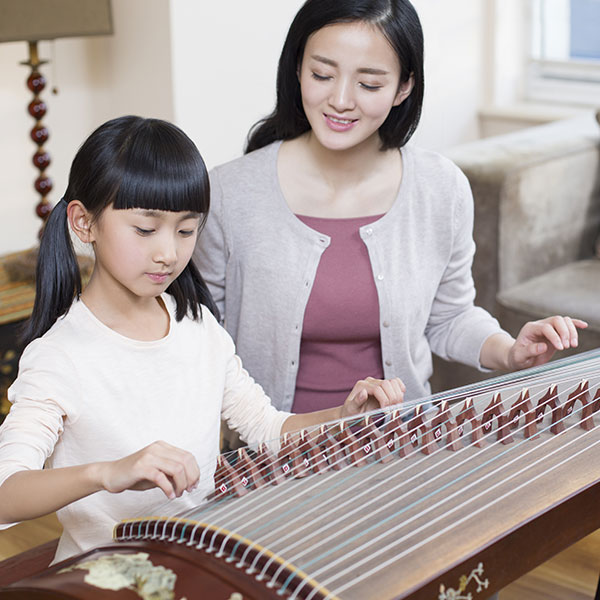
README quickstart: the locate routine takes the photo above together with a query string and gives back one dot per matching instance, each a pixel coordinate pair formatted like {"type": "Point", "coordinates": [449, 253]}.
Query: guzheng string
{"type": "Point", "coordinates": [525, 375]}
{"type": "Point", "coordinates": [521, 376]}
{"type": "Point", "coordinates": [454, 525]}
{"type": "Point", "coordinates": [246, 508]}
{"type": "Point", "coordinates": [340, 457]}
{"type": "Point", "coordinates": [338, 533]}
{"type": "Point", "coordinates": [383, 550]}
{"type": "Point", "coordinates": [347, 467]}
{"type": "Point", "coordinates": [576, 368]}
{"type": "Point", "coordinates": [337, 591]}
{"type": "Point", "coordinates": [360, 509]}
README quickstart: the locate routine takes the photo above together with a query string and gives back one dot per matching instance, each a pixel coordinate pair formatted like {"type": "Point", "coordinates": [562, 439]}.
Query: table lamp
{"type": "Point", "coordinates": [35, 20]}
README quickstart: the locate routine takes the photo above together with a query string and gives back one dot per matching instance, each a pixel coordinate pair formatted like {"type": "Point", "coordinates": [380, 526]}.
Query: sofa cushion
{"type": "Point", "coordinates": [572, 289]}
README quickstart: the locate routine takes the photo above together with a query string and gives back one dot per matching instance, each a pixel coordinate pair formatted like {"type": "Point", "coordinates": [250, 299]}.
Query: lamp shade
{"type": "Point", "coordinates": [34, 20]}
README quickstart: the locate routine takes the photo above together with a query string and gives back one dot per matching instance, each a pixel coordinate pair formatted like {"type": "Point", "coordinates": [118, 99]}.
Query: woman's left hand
{"type": "Point", "coordinates": [539, 340]}
{"type": "Point", "coordinates": [370, 394]}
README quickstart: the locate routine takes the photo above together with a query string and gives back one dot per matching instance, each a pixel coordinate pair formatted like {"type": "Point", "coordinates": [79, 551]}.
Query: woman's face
{"type": "Point", "coordinates": [349, 81]}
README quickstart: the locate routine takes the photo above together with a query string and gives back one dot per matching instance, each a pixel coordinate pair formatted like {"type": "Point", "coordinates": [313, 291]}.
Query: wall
{"type": "Point", "coordinates": [211, 70]}
{"type": "Point", "coordinates": [455, 59]}
{"type": "Point", "coordinates": [224, 69]}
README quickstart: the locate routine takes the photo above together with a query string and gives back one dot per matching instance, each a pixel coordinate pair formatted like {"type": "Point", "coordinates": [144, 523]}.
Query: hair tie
{"type": "Point", "coordinates": [63, 201]}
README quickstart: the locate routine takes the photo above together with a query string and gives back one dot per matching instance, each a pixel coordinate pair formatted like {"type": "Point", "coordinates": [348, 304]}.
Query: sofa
{"type": "Point", "coordinates": [537, 222]}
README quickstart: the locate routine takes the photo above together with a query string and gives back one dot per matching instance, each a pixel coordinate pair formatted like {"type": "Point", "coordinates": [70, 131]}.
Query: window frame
{"type": "Point", "coordinates": [569, 81]}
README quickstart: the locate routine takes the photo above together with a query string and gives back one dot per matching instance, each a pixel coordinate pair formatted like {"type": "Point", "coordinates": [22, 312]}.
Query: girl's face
{"type": "Point", "coordinates": [142, 250]}
{"type": "Point", "coordinates": [349, 81]}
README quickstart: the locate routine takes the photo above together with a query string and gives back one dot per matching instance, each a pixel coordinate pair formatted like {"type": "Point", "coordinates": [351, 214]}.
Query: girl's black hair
{"type": "Point", "coordinates": [129, 162]}
{"type": "Point", "coordinates": [399, 23]}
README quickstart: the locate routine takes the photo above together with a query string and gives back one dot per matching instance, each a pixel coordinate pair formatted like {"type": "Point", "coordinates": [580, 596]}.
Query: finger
{"type": "Point", "coordinates": [388, 388]}
{"type": "Point", "coordinates": [400, 384]}
{"type": "Point", "coordinates": [369, 388]}
{"type": "Point", "coordinates": [573, 337]}
{"type": "Point", "coordinates": [192, 472]}
{"type": "Point", "coordinates": [176, 465]}
{"type": "Point", "coordinates": [380, 394]}
{"type": "Point", "coordinates": [175, 472]}
{"type": "Point", "coordinates": [160, 480]}
{"type": "Point", "coordinates": [573, 325]}
{"type": "Point", "coordinates": [562, 328]}
{"type": "Point", "coordinates": [552, 336]}
{"type": "Point", "coordinates": [534, 350]}
{"type": "Point", "coordinates": [361, 396]}
{"type": "Point", "coordinates": [399, 389]}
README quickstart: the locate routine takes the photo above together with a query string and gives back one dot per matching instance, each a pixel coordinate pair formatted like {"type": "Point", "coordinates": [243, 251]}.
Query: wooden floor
{"type": "Point", "coordinates": [571, 575]}
{"type": "Point", "coordinates": [27, 535]}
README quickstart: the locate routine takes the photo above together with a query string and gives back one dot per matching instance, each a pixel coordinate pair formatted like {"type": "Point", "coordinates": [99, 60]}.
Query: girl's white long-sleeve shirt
{"type": "Point", "coordinates": [85, 393]}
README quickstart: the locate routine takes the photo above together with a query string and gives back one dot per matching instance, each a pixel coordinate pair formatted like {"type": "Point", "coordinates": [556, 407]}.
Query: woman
{"type": "Point", "coordinates": [333, 249]}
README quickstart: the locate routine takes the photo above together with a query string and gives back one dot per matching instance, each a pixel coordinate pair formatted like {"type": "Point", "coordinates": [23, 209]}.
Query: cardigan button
{"type": "Point", "coordinates": [388, 362]}
{"type": "Point", "coordinates": [386, 324]}
{"type": "Point", "coordinates": [380, 277]}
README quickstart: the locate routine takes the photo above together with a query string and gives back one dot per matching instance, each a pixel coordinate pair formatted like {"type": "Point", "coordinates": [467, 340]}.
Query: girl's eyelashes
{"type": "Point", "coordinates": [187, 232]}
{"type": "Point", "coordinates": [320, 77]}
{"type": "Point", "coordinates": [143, 231]}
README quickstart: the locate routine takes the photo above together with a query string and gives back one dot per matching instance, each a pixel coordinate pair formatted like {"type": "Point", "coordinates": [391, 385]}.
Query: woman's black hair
{"type": "Point", "coordinates": [399, 23]}
{"type": "Point", "coordinates": [129, 162]}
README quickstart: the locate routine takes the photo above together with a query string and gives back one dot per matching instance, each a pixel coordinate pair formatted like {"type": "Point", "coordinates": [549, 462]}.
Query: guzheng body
{"type": "Point", "coordinates": [450, 498]}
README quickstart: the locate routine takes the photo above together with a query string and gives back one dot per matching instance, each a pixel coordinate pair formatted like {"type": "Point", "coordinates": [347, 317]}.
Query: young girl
{"type": "Point", "coordinates": [122, 386]}
{"type": "Point", "coordinates": [365, 241]}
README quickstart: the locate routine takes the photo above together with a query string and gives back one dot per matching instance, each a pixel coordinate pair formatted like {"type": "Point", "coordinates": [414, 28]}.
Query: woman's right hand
{"type": "Point", "coordinates": [158, 465]}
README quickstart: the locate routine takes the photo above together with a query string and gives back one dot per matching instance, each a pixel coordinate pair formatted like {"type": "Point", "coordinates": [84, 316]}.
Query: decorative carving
{"type": "Point", "coordinates": [463, 582]}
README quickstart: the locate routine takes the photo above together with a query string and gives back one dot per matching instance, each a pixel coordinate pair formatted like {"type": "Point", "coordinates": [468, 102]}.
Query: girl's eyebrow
{"type": "Point", "coordinates": [365, 70]}
{"type": "Point", "coordinates": [147, 212]}
{"type": "Point", "coordinates": [189, 215]}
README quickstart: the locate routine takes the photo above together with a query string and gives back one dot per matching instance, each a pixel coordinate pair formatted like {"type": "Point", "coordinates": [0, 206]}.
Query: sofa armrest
{"type": "Point", "coordinates": [537, 201]}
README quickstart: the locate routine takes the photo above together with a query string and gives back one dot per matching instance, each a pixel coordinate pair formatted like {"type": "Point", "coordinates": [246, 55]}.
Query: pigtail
{"type": "Point", "coordinates": [57, 279]}
{"type": "Point", "coordinates": [190, 291]}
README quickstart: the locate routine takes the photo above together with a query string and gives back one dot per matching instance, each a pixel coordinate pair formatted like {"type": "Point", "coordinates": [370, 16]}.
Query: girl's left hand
{"type": "Point", "coordinates": [539, 340]}
{"type": "Point", "coordinates": [370, 394]}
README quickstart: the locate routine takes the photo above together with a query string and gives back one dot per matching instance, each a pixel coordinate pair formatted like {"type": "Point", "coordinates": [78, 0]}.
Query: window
{"type": "Point", "coordinates": [565, 51]}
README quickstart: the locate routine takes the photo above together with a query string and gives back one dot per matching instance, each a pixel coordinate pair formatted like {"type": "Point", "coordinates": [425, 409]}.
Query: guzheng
{"type": "Point", "coordinates": [448, 498]}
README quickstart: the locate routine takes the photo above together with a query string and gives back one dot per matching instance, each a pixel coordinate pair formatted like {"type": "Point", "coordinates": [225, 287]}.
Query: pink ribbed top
{"type": "Point", "coordinates": [340, 336]}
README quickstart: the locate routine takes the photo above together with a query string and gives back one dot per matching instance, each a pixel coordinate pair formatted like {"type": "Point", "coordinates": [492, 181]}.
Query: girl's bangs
{"type": "Point", "coordinates": [157, 191]}
{"type": "Point", "coordinates": [161, 169]}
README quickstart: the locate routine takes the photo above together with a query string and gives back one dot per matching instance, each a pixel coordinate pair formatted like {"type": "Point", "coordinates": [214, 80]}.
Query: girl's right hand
{"type": "Point", "coordinates": [158, 465]}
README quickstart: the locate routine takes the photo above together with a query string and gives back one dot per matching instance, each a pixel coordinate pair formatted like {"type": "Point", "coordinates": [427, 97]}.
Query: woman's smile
{"type": "Point", "coordinates": [338, 123]}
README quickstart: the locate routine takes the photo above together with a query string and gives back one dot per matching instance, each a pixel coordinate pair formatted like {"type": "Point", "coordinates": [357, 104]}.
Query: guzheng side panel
{"type": "Point", "coordinates": [198, 576]}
